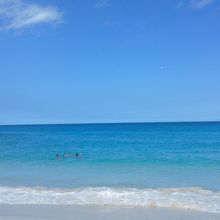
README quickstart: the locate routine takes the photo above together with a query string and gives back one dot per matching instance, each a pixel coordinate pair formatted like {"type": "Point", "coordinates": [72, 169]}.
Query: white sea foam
{"type": "Point", "coordinates": [184, 198]}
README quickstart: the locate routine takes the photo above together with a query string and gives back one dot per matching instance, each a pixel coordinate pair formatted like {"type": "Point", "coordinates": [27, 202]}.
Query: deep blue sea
{"type": "Point", "coordinates": [145, 160]}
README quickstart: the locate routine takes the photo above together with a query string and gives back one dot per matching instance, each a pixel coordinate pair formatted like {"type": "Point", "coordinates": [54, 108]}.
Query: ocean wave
{"type": "Point", "coordinates": [184, 198]}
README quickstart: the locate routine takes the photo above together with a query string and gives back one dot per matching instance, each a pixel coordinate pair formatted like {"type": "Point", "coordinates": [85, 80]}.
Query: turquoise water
{"type": "Point", "coordinates": [150, 164]}
{"type": "Point", "coordinates": [120, 155]}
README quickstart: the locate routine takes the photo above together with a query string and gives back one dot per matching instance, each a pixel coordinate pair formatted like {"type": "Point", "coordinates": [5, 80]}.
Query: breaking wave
{"type": "Point", "coordinates": [183, 198]}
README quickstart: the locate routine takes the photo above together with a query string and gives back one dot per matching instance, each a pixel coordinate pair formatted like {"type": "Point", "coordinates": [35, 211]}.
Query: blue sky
{"type": "Point", "coordinates": [80, 61]}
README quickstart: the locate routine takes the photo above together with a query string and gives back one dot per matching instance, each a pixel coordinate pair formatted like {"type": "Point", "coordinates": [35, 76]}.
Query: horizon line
{"type": "Point", "coordinates": [97, 123]}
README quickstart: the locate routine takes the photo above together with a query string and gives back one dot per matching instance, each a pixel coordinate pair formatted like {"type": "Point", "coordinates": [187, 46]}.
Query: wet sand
{"type": "Point", "coordinates": [70, 212]}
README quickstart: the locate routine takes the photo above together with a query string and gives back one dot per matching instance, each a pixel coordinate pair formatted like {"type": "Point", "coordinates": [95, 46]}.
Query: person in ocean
{"type": "Point", "coordinates": [67, 155]}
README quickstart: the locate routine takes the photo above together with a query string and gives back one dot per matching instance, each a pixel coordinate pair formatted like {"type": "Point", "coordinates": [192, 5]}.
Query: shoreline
{"type": "Point", "coordinates": [82, 212]}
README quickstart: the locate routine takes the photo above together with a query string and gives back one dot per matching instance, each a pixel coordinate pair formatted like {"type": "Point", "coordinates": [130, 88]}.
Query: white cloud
{"type": "Point", "coordinates": [19, 14]}
{"type": "Point", "coordinates": [199, 4]}
{"type": "Point", "coordinates": [102, 3]}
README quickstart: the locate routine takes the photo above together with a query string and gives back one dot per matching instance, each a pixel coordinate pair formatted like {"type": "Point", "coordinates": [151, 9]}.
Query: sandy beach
{"type": "Point", "coordinates": [47, 212]}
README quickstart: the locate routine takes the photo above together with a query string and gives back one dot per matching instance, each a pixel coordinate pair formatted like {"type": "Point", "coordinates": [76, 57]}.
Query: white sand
{"type": "Point", "coordinates": [49, 212]}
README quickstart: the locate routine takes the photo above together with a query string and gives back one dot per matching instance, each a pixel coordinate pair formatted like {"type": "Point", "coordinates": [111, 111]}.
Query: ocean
{"type": "Point", "coordinates": [133, 164]}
